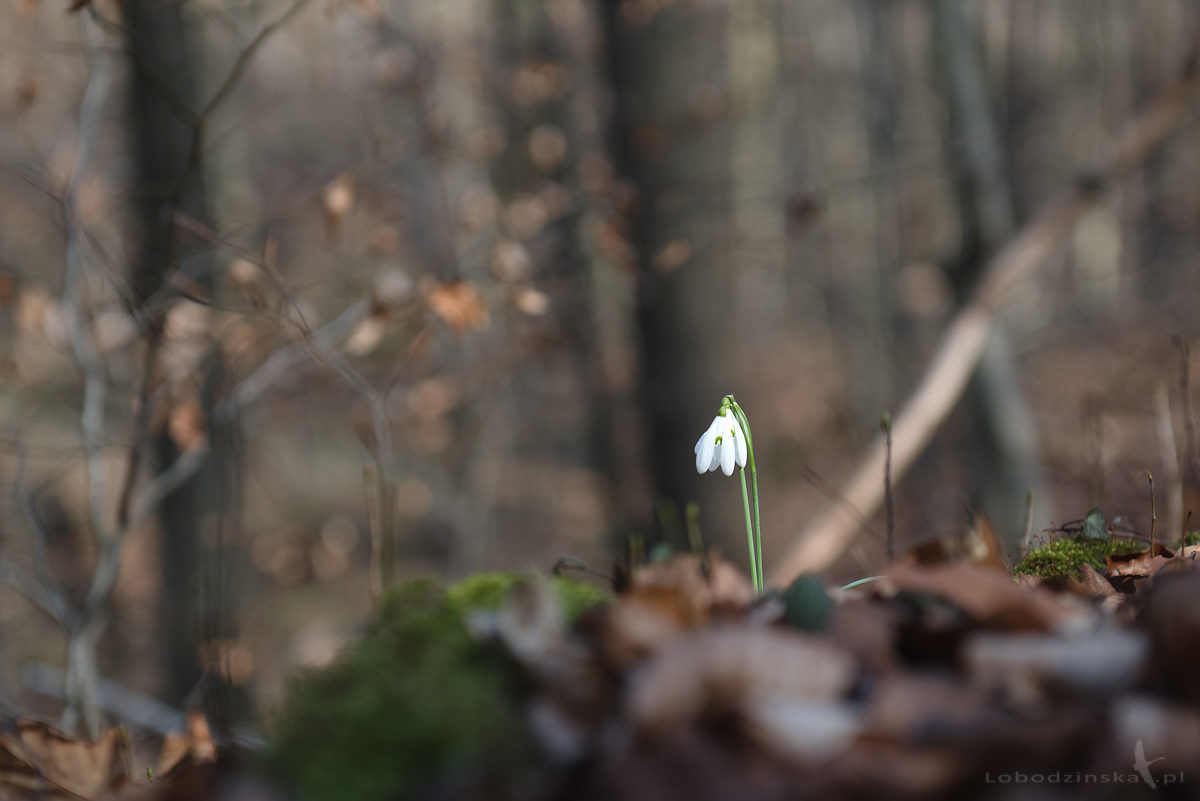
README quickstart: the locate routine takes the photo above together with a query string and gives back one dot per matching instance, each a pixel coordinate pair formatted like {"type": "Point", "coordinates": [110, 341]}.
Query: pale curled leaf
{"type": "Point", "coordinates": [728, 668]}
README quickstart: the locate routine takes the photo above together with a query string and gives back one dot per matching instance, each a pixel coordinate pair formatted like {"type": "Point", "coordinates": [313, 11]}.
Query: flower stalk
{"type": "Point", "coordinates": [728, 443]}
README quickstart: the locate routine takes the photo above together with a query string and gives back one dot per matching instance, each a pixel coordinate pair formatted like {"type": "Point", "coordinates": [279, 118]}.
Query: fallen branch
{"type": "Point", "coordinates": [962, 345]}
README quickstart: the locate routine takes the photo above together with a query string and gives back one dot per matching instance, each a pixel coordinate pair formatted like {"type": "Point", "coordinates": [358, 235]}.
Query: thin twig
{"type": "Point", "coordinates": [1192, 457]}
{"type": "Point", "coordinates": [890, 549]}
{"type": "Point", "coordinates": [1153, 508]}
{"type": "Point", "coordinates": [232, 78]}
{"type": "Point", "coordinates": [284, 360]}
{"type": "Point", "coordinates": [1027, 536]}
{"type": "Point", "coordinates": [52, 603]}
{"type": "Point", "coordinates": [74, 299]}
{"type": "Point", "coordinates": [1170, 460]}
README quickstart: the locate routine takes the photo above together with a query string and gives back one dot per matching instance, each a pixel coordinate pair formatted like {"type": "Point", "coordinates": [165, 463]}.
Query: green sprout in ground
{"type": "Point", "coordinates": [1063, 558]}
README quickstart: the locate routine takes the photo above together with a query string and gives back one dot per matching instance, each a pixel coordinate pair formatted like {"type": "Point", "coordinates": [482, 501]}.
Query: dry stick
{"type": "Point", "coordinates": [824, 541]}
{"type": "Point", "coordinates": [1153, 510]}
{"type": "Point", "coordinates": [1170, 460]}
{"type": "Point", "coordinates": [1028, 535]}
{"type": "Point", "coordinates": [886, 424]}
{"type": "Point", "coordinates": [1185, 392]}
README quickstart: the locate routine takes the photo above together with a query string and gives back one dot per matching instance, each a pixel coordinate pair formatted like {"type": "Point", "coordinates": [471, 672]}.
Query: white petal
{"type": "Point", "coordinates": [742, 448]}
{"type": "Point", "coordinates": [715, 461]}
{"type": "Point", "coordinates": [728, 446]}
{"type": "Point", "coordinates": [705, 448]}
{"type": "Point", "coordinates": [709, 433]}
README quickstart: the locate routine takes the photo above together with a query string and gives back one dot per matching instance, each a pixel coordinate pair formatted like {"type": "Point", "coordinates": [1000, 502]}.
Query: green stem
{"type": "Point", "coordinates": [757, 525]}
{"type": "Point", "coordinates": [757, 559]}
{"type": "Point", "coordinates": [861, 582]}
{"type": "Point", "coordinates": [750, 533]}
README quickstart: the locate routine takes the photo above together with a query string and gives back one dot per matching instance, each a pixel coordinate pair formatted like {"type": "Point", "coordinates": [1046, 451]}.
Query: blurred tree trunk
{"type": "Point", "coordinates": [554, 143]}
{"type": "Point", "coordinates": [758, 218]}
{"type": "Point", "coordinates": [1002, 439]}
{"type": "Point", "coordinates": [871, 349]}
{"type": "Point", "coordinates": [668, 69]}
{"type": "Point", "coordinates": [163, 88]}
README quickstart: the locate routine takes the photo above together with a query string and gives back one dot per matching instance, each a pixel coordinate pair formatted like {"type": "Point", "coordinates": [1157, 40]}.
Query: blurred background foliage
{"type": "Point", "coordinates": [478, 273]}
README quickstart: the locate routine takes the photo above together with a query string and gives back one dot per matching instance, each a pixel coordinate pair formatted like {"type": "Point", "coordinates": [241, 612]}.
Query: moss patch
{"type": "Point", "coordinates": [1063, 558]}
{"type": "Point", "coordinates": [416, 702]}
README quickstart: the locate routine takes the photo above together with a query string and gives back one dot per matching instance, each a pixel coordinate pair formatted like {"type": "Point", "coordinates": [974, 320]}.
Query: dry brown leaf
{"type": "Point", "coordinates": [671, 256]}
{"type": "Point", "coordinates": [665, 599]}
{"type": "Point", "coordinates": [706, 587]}
{"type": "Point", "coordinates": [459, 304]}
{"type": "Point", "coordinates": [194, 745]}
{"type": "Point", "coordinates": [530, 301]}
{"type": "Point", "coordinates": [9, 282]}
{"type": "Point", "coordinates": [337, 199]}
{"type": "Point", "coordinates": [636, 624]}
{"type": "Point", "coordinates": [366, 336]}
{"type": "Point", "coordinates": [1141, 564]}
{"type": "Point", "coordinates": [977, 544]}
{"type": "Point", "coordinates": [988, 596]}
{"type": "Point", "coordinates": [187, 426]}
{"type": "Point", "coordinates": [39, 761]}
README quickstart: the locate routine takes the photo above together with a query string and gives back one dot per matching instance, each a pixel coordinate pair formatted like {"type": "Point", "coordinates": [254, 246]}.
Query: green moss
{"type": "Point", "coordinates": [1062, 558]}
{"type": "Point", "coordinates": [418, 700]}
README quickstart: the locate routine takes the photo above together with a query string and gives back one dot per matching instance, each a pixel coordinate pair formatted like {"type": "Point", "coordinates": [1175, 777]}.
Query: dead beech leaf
{"type": "Point", "coordinates": [530, 301]}
{"type": "Point", "coordinates": [9, 283]}
{"type": "Point", "coordinates": [366, 336]}
{"type": "Point", "coordinates": [705, 584]}
{"type": "Point", "coordinates": [671, 256]}
{"type": "Point", "coordinates": [1144, 563]}
{"type": "Point", "coordinates": [728, 669]}
{"type": "Point", "coordinates": [39, 761]}
{"type": "Point", "coordinates": [1091, 584]}
{"type": "Point", "coordinates": [988, 596]}
{"type": "Point", "coordinates": [459, 304]}
{"type": "Point", "coordinates": [194, 746]}
{"type": "Point", "coordinates": [337, 199]}
{"type": "Point", "coordinates": [638, 623]}
{"type": "Point", "coordinates": [666, 599]}
{"type": "Point", "coordinates": [186, 425]}
{"type": "Point", "coordinates": [977, 543]}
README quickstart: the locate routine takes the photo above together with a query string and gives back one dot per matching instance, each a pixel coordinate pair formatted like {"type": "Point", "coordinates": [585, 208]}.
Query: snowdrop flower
{"type": "Point", "coordinates": [723, 445]}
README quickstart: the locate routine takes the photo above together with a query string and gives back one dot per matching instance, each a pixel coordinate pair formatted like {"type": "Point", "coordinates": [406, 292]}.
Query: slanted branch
{"type": "Point", "coordinates": [827, 538]}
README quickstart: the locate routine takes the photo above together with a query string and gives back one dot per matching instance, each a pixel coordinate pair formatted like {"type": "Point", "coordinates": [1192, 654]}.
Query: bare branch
{"type": "Point", "coordinates": [74, 299]}
{"type": "Point", "coordinates": [125, 704]}
{"type": "Point", "coordinates": [282, 361]}
{"type": "Point", "coordinates": [53, 603]}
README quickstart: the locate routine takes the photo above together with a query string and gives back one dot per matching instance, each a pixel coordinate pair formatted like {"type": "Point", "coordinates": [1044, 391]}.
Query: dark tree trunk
{"type": "Point", "coordinates": [164, 102]}
{"type": "Point", "coordinates": [671, 140]}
